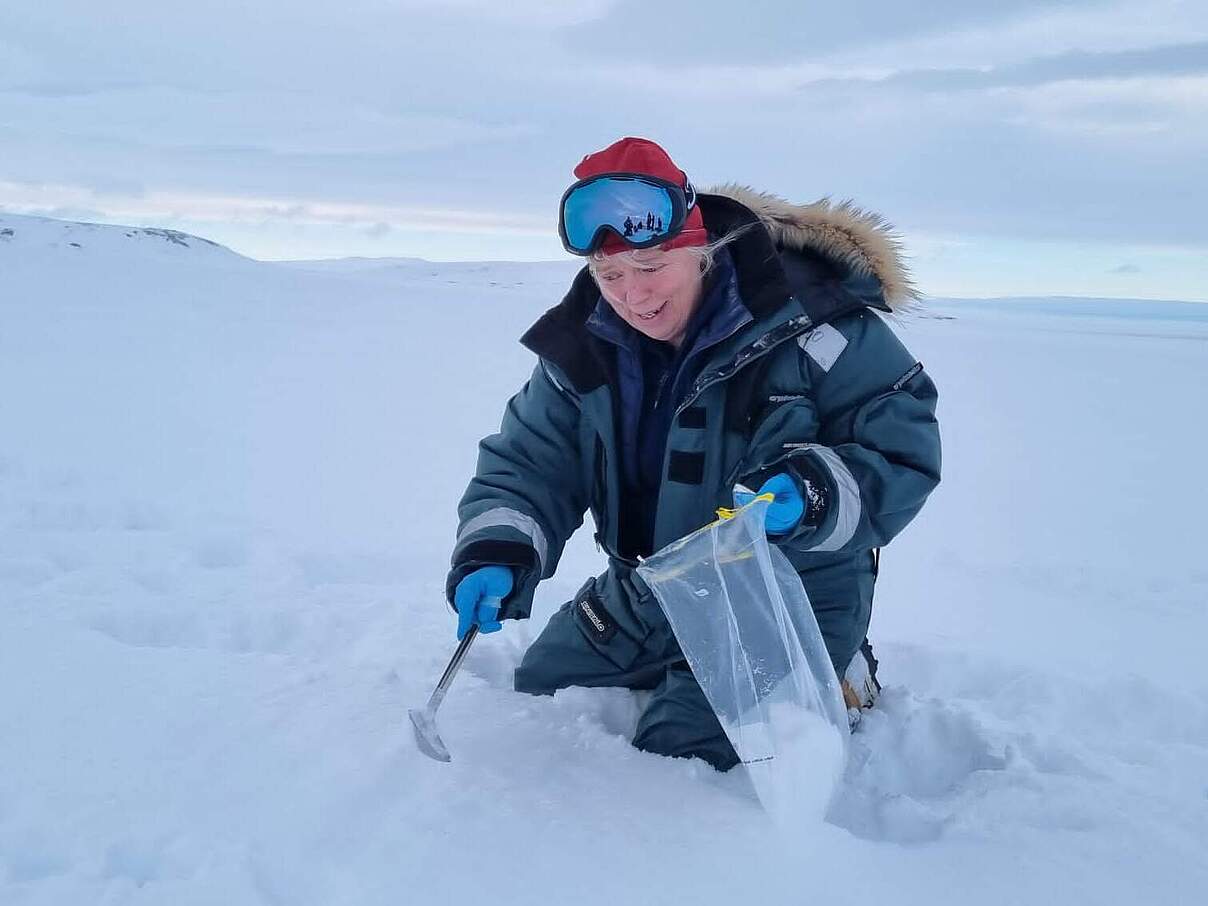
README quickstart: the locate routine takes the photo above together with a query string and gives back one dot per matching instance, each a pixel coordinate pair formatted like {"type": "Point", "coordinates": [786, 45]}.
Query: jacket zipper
{"type": "Point", "coordinates": [601, 479]}
{"type": "Point", "coordinates": [791, 328]}
{"type": "Point", "coordinates": [795, 327]}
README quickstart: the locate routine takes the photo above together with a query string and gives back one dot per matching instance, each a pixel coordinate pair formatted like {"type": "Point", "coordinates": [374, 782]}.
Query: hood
{"type": "Point", "coordinates": [833, 258]}
{"type": "Point", "coordinates": [858, 240]}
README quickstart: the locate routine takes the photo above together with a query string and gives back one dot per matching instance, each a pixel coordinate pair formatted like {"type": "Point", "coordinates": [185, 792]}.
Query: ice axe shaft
{"type": "Point", "coordinates": [424, 722]}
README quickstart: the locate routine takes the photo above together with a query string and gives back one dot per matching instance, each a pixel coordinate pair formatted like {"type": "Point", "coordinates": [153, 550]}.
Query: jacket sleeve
{"type": "Point", "coordinates": [876, 453]}
{"type": "Point", "coordinates": [526, 497]}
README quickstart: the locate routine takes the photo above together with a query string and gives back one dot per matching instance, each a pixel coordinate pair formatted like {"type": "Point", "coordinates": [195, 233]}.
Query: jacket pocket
{"type": "Point", "coordinates": [616, 643]}
{"type": "Point", "coordinates": [778, 434]}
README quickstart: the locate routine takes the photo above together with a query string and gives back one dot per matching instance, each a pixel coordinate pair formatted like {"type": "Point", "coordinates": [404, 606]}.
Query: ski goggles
{"type": "Point", "coordinates": [642, 210]}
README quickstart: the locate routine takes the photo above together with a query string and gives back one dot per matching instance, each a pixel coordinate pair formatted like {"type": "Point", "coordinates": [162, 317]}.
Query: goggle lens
{"type": "Point", "coordinates": [641, 212]}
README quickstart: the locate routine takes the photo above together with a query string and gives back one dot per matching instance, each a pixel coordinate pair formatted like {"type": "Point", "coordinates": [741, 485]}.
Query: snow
{"type": "Point", "coordinates": [227, 494]}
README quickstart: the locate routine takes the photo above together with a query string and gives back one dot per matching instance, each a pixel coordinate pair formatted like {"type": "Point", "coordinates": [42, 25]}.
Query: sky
{"type": "Point", "coordinates": [1019, 147]}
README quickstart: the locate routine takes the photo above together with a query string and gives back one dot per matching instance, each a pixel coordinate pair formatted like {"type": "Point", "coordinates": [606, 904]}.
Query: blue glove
{"type": "Point", "coordinates": [785, 511]}
{"type": "Point", "coordinates": [478, 597]}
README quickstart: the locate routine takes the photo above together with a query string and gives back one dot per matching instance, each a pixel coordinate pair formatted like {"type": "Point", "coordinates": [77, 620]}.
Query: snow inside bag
{"type": "Point", "coordinates": [747, 630]}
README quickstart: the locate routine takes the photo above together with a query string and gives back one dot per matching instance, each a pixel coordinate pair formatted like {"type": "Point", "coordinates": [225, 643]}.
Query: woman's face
{"type": "Point", "coordinates": [655, 292]}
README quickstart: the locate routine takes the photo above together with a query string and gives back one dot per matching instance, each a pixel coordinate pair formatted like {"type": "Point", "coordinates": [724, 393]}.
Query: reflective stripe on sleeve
{"type": "Point", "coordinates": [502, 515]}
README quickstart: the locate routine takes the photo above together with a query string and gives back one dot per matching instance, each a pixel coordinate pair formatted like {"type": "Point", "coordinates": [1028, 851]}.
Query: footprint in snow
{"type": "Point", "coordinates": [922, 768]}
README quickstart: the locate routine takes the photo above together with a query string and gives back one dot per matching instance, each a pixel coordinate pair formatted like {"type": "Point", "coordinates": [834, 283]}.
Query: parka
{"type": "Point", "coordinates": [810, 380]}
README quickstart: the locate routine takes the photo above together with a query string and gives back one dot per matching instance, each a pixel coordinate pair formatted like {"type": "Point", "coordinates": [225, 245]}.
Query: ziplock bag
{"type": "Point", "coordinates": [746, 628]}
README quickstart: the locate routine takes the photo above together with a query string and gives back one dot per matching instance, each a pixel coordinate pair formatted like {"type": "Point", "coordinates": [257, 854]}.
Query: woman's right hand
{"type": "Point", "coordinates": [478, 598]}
{"type": "Point", "coordinates": [786, 509]}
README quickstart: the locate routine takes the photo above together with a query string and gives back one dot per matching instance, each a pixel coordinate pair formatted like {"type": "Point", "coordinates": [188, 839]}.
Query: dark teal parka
{"type": "Point", "coordinates": [812, 381]}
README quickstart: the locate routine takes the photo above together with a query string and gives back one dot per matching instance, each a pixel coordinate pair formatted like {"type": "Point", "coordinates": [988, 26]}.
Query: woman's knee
{"type": "Point", "coordinates": [680, 723]}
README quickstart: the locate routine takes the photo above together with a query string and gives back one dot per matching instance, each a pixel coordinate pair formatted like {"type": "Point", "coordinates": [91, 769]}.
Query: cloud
{"type": "Point", "coordinates": [1051, 31]}
{"type": "Point", "coordinates": [365, 49]}
{"type": "Point", "coordinates": [771, 33]}
{"type": "Point", "coordinates": [1114, 106]}
{"type": "Point", "coordinates": [283, 122]}
{"type": "Point", "coordinates": [539, 14]}
{"type": "Point", "coordinates": [778, 38]}
{"type": "Point", "coordinates": [17, 64]}
{"type": "Point", "coordinates": [1183, 59]}
{"type": "Point", "coordinates": [721, 82]}
{"type": "Point", "coordinates": [1079, 121]}
{"type": "Point", "coordinates": [937, 49]}
{"type": "Point", "coordinates": [54, 200]}
{"type": "Point", "coordinates": [1126, 269]}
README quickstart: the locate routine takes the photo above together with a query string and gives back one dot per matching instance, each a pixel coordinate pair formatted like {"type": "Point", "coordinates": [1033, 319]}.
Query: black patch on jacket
{"type": "Point", "coordinates": [593, 617]}
{"type": "Point", "coordinates": [686, 468]}
{"type": "Point", "coordinates": [692, 417]}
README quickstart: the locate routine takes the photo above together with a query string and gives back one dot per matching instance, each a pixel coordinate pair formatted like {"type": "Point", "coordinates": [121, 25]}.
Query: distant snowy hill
{"type": "Point", "coordinates": [24, 235]}
{"type": "Point", "coordinates": [1079, 307]}
{"type": "Point", "coordinates": [227, 500]}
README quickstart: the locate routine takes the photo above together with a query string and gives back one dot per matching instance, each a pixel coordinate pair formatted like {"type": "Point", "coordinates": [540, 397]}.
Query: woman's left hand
{"type": "Point", "coordinates": [785, 511]}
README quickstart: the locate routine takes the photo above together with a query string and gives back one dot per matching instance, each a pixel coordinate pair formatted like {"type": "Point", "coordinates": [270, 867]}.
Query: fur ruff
{"type": "Point", "coordinates": [858, 239]}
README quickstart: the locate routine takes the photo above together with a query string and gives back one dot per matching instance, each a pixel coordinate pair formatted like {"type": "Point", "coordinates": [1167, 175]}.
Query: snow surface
{"type": "Point", "coordinates": [227, 494]}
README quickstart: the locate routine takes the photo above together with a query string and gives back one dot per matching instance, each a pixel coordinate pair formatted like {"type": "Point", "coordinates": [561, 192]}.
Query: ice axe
{"type": "Point", "coordinates": [426, 735]}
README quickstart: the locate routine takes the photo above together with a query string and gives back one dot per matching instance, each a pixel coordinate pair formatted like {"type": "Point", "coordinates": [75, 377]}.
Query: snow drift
{"type": "Point", "coordinates": [227, 496]}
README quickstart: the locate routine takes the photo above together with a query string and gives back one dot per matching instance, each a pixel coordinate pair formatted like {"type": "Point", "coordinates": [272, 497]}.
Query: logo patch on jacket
{"type": "Point", "coordinates": [595, 619]}
{"type": "Point", "coordinates": [824, 345]}
{"type": "Point", "coordinates": [906, 378]}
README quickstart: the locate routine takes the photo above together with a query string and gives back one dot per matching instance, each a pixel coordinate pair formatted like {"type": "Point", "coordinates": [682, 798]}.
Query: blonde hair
{"type": "Point", "coordinates": [704, 253]}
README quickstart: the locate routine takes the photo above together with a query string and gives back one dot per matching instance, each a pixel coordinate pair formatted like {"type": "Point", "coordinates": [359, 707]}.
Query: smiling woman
{"type": "Point", "coordinates": [714, 343]}
{"type": "Point", "coordinates": [653, 291]}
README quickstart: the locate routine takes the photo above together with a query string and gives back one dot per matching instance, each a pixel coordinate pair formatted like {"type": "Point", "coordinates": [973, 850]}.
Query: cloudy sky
{"type": "Point", "coordinates": [1019, 146]}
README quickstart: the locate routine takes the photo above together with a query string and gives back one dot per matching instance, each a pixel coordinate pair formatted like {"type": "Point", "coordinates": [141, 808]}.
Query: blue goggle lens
{"type": "Point", "coordinates": [640, 212]}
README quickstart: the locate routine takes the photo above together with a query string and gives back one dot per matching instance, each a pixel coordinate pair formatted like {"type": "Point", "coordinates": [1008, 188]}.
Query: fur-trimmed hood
{"type": "Point", "coordinates": [833, 258]}
{"type": "Point", "coordinates": [854, 238]}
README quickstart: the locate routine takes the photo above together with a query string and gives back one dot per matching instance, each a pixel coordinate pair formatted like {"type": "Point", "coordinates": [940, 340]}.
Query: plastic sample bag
{"type": "Point", "coordinates": [746, 628]}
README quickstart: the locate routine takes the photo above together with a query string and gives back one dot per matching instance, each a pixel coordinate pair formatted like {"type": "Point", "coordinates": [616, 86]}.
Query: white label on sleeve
{"type": "Point", "coordinates": [824, 345]}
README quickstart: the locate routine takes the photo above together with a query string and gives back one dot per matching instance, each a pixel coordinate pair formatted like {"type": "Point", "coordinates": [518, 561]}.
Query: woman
{"type": "Point", "coordinates": [712, 341]}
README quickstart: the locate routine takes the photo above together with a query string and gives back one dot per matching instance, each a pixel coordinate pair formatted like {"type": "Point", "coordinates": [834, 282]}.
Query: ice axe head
{"type": "Point", "coordinates": [426, 735]}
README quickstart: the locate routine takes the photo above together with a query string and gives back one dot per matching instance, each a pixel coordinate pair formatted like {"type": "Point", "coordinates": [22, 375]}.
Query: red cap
{"type": "Point", "coordinates": [640, 155]}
